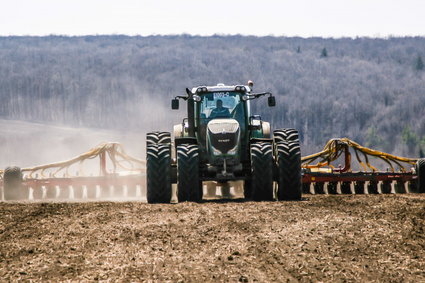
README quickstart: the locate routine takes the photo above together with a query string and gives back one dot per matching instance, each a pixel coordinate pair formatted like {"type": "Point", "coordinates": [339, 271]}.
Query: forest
{"type": "Point", "coordinates": [371, 90]}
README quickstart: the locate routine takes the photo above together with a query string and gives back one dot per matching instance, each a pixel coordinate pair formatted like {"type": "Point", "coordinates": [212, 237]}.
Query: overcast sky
{"type": "Point", "coordinates": [327, 18]}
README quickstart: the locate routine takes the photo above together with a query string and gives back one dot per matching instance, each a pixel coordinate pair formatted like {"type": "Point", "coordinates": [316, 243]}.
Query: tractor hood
{"type": "Point", "coordinates": [223, 136]}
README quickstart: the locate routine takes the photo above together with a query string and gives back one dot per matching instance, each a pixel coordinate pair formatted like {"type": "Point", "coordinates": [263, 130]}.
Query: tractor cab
{"type": "Point", "coordinates": [220, 121]}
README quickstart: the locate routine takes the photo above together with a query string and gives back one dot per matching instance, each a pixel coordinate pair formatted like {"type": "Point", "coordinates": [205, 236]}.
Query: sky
{"type": "Point", "coordinates": [325, 18]}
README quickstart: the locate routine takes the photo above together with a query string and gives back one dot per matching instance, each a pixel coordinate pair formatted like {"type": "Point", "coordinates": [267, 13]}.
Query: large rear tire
{"type": "Point", "coordinates": [420, 170]}
{"type": "Point", "coordinates": [288, 161]}
{"type": "Point", "coordinates": [189, 187]}
{"type": "Point", "coordinates": [261, 171]}
{"type": "Point", "coordinates": [12, 184]}
{"type": "Point", "coordinates": [285, 135]}
{"type": "Point", "coordinates": [158, 137]}
{"type": "Point", "coordinates": [158, 171]}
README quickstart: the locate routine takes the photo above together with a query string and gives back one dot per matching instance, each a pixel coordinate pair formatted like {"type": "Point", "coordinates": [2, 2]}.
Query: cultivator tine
{"type": "Point", "coordinates": [84, 192]}
{"type": "Point", "coordinates": [393, 187]}
{"type": "Point", "coordinates": [326, 188]}
{"type": "Point", "coordinates": [90, 191]}
{"type": "Point", "coordinates": [366, 187]}
{"type": "Point", "coordinates": [139, 192]}
{"type": "Point", "coordinates": [338, 188]}
{"type": "Point", "coordinates": [71, 192]}
{"type": "Point", "coordinates": [312, 188]}
{"type": "Point", "coordinates": [407, 186]}
{"type": "Point", "coordinates": [380, 186]}
{"type": "Point", "coordinates": [30, 193]}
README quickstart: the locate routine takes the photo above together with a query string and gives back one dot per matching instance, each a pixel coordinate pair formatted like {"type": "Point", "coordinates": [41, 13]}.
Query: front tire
{"type": "Point", "coordinates": [189, 187]}
{"type": "Point", "coordinates": [158, 171]}
{"type": "Point", "coordinates": [261, 171]}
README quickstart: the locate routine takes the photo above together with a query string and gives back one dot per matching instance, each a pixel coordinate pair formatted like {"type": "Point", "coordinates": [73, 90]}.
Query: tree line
{"type": "Point", "coordinates": [367, 89]}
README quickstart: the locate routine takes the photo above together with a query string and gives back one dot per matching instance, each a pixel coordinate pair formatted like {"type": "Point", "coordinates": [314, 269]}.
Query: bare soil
{"type": "Point", "coordinates": [322, 238]}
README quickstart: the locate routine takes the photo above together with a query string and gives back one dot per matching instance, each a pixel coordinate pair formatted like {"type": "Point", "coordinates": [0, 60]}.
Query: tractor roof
{"type": "Point", "coordinates": [221, 87]}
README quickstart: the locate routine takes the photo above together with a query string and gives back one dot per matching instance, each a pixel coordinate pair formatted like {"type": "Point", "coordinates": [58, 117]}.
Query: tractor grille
{"type": "Point", "coordinates": [223, 126]}
{"type": "Point", "coordinates": [224, 134]}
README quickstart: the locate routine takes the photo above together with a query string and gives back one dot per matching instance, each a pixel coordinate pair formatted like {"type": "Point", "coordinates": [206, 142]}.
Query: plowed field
{"type": "Point", "coordinates": [322, 238]}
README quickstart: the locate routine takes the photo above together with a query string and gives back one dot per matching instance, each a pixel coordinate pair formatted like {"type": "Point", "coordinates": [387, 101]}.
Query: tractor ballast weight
{"type": "Point", "coordinates": [221, 141]}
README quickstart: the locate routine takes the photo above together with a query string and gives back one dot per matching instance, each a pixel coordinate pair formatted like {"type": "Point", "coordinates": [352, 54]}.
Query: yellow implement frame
{"type": "Point", "coordinates": [115, 151]}
{"type": "Point", "coordinates": [334, 148]}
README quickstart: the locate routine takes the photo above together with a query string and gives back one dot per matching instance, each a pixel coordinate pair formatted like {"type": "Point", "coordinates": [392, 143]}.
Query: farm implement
{"type": "Point", "coordinates": [218, 144]}
{"type": "Point", "coordinates": [402, 175]}
{"type": "Point", "coordinates": [116, 176]}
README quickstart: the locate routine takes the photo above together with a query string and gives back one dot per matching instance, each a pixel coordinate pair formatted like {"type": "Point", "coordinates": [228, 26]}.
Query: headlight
{"type": "Point", "coordinates": [216, 151]}
{"type": "Point", "coordinates": [240, 88]}
{"type": "Point", "coordinates": [197, 98]}
{"type": "Point", "coordinates": [245, 97]}
{"type": "Point", "coordinates": [201, 89]}
{"type": "Point", "coordinates": [233, 150]}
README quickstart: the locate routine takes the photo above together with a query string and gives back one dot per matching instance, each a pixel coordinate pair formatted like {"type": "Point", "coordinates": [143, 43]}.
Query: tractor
{"type": "Point", "coordinates": [220, 140]}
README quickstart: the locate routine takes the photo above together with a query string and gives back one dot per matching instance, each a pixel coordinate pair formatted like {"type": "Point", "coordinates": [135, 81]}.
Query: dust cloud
{"type": "Point", "coordinates": [28, 144]}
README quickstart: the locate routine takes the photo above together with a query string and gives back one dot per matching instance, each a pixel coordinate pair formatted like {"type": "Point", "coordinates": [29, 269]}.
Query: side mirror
{"type": "Point", "coordinates": [175, 104]}
{"type": "Point", "coordinates": [271, 101]}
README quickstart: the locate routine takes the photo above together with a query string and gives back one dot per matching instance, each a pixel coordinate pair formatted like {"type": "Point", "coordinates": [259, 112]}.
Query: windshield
{"type": "Point", "coordinates": [223, 104]}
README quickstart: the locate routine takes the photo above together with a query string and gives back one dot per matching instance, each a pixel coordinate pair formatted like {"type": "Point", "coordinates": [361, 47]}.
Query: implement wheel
{"type": "Point", "coordinates": [288, 161]}
{"type": "Point", "coordinates": [158, 171]}
{"type": "Point", "coordinates": [420, 170]}
{"type": "Point", "coordinates": [12, 184]}
{"type": "Point", "coordinates": [189, 187]}
{"type": "Point", "coordinates": [261, 171]}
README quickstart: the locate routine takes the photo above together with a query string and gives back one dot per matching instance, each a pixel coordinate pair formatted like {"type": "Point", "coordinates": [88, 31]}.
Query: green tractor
{"type": "Point", "coordinates": [221, 141]}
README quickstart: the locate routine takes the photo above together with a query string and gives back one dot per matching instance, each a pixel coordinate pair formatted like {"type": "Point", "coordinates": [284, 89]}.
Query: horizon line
{"type": "Point", "coordinates": [390, 36]}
